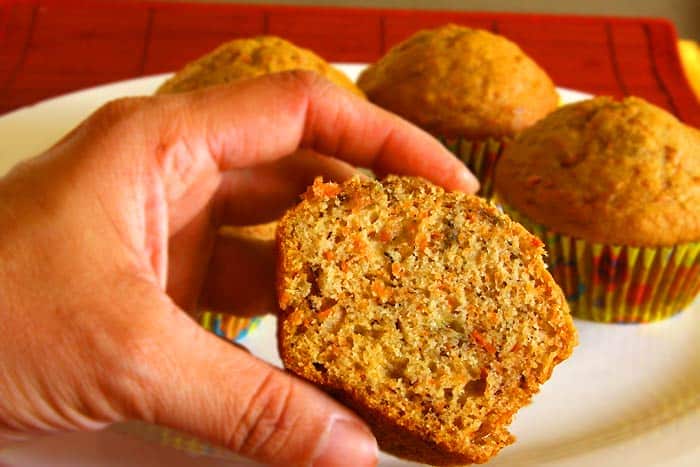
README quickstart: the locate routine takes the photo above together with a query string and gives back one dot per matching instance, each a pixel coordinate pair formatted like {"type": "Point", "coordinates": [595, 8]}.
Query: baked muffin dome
{"type": "Point", "coordinates": [457, 81]}
{"type": "Point", "coordinates": [248, 58]}
{"type": "Point", "coordinates": [430, 313]}
{"type": "Point", "coordinates": [616, 172]}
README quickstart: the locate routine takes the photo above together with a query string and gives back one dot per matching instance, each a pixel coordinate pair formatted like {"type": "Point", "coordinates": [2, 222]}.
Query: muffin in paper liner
{"type": "Point", "coordinates": [480, 157]}
{"type": "Point", "coordinates": [618, 283]}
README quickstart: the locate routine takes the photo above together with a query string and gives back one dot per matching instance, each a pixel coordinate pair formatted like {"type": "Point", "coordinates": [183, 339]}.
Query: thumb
{"type": "Point", "coordinates": [205, 386]}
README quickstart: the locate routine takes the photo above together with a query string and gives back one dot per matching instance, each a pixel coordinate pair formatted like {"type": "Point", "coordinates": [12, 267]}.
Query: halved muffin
{"type": "Point", "coordinates": [430, 313]}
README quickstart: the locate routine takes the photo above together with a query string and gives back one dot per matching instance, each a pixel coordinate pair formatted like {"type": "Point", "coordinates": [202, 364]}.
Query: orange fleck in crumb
{"type": "Point", "coordinates": [536, 242]}
{"type": "Point", "coordinates": [319, 188]}
{"type": "Point", "coordinates": [385, 235]}
{"type": "Point", "coordinates": [358, 202]}
{"type": "Point", "coordinates": [330, 190]}
{"type": "Point", "coordinates": [323, 314]}
{"type": "Point", "coordinates": [516, 347]}
{"type": "Point", "coordinates": [359, 244]}
{"type": "Point", "coordinates": [284, 300]}
{"type": "Point", "coordinates": [481, 340]}
{"type": "Point", "coordinates": [396, 269]}
{"type": "Point", "coordinates": [329, 255]}
{"type": "Point", "coordinates": [380, 290]}
{"type": "Point", "coordinates": [421, 242]}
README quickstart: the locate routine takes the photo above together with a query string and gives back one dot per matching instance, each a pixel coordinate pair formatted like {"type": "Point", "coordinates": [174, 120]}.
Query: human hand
{"type": "Point", "coordinates": [108, 236]}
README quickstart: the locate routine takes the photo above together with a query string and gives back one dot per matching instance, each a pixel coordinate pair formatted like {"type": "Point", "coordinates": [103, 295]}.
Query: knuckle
{"type": "Point", "coordinates": [268, 422]}
{"type": "Point", "coordinates": [119, 110]}
{"type": "Point", "coordinates": [303, 82]}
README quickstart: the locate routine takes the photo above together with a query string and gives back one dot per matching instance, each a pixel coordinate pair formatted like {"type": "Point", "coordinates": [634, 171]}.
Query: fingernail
{"type": "Point", "coordinates": [349, 443]}
{"type": "Point", "coordinates": [468, 181]}
{"type": "Point", "coordinates": [364, 174]}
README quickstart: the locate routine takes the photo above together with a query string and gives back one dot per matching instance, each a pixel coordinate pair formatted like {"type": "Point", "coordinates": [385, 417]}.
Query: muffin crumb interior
{"type": "Point", "coordinates": [431, 308]}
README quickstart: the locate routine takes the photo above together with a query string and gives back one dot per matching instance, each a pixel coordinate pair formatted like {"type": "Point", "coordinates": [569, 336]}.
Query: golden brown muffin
{"type": "Point", "coordinates": [429, 313]}
{"type": "Point", "coordinates": [248, 58]}
{"type": "Point", "coordinates": [457, 81]}
{"type": "Point", "coordinates": [616, 172]}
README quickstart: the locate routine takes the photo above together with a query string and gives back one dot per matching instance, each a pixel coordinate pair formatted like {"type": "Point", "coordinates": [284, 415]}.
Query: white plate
{"type": "Point", "coordinates": [629, 395]}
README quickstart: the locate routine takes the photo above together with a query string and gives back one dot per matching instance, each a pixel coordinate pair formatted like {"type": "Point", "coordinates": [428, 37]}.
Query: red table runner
{"type": "Point", "coordinates": [50, 47]}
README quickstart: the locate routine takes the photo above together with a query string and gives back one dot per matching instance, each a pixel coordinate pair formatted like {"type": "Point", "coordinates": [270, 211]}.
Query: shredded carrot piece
{"type": "Point", "coordinates": [380, 291]}
{"type": "Point", "coordinates": [516, 347]}
{"type": "Point", "coordinates": [384, 235]}
{"type": "Point", "coordinates": [421, 242]}
{"type": "Point", "coordinates": [481, 340]}
{"type": "Point", "coordinates": [396, 269]}
{"type": "Point", "coordinates": [284, 300]}
{"type": "Point", "coordinates": [330, 189]}
{"type": "Point", "coordinates": [328, 254]}
{"type": "Point", "coordinates": [536, 242]}
{"type": "Point", "coordinates": [358, 202]}
{"type": "Point", "coordinates": [323, 314]}
{"type": "Point", "coordinates": [323, 189]}
{"type": "Point", "coordinates": [359, 244]}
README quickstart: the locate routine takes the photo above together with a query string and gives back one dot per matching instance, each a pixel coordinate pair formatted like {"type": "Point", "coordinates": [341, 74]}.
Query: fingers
{"type": "Point", "coordinates": [364, 135]}
{"type": "Point", "coordinates": [179, 145]}
{"type": "Point", "coordinates": [201, 384]}
{"type": "Point", "coordinates": [261, 120]}
{"type": "Point", "coordinates": [189, 253]}
{"type": "Point", "coordinates": [263, 193]}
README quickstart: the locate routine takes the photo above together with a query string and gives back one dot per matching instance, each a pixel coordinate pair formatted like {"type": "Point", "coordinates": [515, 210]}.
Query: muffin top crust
{"type": "Point", "coordinates": [248, 58]}
{"type": "Point", "coordinates": [618, 172]}
{"type": "Point", "coordinates": [457, 81]}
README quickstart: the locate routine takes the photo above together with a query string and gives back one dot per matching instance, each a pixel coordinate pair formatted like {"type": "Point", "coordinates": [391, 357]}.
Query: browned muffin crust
{"type": "Point", "coordinates": [616, 172]}
{"type": "Point", "coordinates": [430, 313]}
{"type": "Point", "coordinates": [250, 232]}
{"type": "Point", "coordinates": [248, 58]}
{"type": "Point", "coordinates": [457, 81]}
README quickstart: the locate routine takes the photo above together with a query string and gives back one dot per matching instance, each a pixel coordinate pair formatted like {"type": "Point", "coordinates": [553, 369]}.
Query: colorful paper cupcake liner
{"type": "Point", "coordinates": [480, 157]}
{"type": "Point", "coordinates": [617, 283]}
{"type": "Point", "coordinates": [228, 326]}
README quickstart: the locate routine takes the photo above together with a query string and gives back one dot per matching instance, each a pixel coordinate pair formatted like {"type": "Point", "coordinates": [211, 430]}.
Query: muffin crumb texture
{"type": "Point", "coordinates": [429, 313]}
